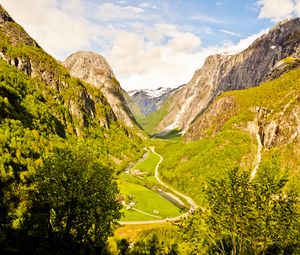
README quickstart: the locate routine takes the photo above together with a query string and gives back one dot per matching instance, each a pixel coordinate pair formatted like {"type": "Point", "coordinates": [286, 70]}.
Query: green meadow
{"type": "Point", "coordinates": [147, 201]}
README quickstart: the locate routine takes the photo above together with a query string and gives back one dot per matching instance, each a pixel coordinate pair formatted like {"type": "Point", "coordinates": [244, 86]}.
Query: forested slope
{"type": "Point", "coordinates": [44, 110]}
{"type": "Point", "coordinates": [225, 135]}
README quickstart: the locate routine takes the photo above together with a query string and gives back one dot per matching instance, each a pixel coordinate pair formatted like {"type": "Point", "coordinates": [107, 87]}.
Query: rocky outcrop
{"type": "Point", "coordinates": [285, 65]}
{"type": "Point", "coordinates": [283, 127]}
{"type": "Point", "coordinates": [212, 120]}
{"type": "Point", "coordinates": [232, 72]}
{"type": "Point", "coordinates": [275, 126]}
{"type": "Point", "coordinates": [94, 69]}
{"type": "Point", "coordinates": [13, 32]}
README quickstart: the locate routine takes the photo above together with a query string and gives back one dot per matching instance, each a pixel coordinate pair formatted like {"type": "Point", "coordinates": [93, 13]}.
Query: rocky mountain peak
{"type": "Point", "coordinates": [89, 66]}
{"type": "Point", "coordinates": [94, 69]}
{"type": "Point", "coordinates": [231, 72]}
{"type": "Point", "coordinates": [13, 32]}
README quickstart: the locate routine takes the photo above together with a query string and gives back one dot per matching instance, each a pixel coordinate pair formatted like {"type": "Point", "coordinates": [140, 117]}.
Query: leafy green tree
{"type": "Point", "coordinates": [248, 216]}
{"type": "Point", "coordinates": [74, 205]}
{"type": "Point", "coordinates": [152, 245]}
{"type": "Point", "coordinates": [123, 246]}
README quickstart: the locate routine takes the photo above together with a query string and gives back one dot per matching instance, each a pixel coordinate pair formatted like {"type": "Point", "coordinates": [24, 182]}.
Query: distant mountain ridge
{"type": "Point", "coordinates": [150, 100]}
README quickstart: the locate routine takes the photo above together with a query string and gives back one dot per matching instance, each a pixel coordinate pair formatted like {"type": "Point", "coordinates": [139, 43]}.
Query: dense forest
{"type": "Point", "coordinates": [58, 136]}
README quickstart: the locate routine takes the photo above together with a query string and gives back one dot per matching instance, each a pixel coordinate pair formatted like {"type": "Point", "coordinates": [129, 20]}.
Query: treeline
{"type": "Point", "coordinates": [187, 165]}
{"type": "Point", "coordinates": [68, 206]}
{"type": "Point", "coordinates": [247, 215]}
{"type": "Point", "coordinates": [243, 216]}
{"type": "Point", "coordinates": [57, 193]}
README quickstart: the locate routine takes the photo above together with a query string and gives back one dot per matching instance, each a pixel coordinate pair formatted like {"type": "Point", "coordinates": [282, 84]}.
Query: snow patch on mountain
{"type": "Point", "coordinates": [151, 93]}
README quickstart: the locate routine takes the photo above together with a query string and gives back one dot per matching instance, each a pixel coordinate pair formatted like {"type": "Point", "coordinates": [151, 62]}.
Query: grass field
{"type": "Point", "coordinates": [148, 165]}
{"type": "Point", "coordinates": [132, 232]}
{"type": "Point", "coordinates": [146, 201]}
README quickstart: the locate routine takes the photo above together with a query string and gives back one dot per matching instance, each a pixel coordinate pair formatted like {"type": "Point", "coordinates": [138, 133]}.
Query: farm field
{"type": "Point", "coordinates": [147, 201]}
{"type": "Point", "coordinates": [148, 165]}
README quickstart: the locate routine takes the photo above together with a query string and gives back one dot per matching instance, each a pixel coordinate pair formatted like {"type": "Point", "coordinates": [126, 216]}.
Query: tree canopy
{"type": "Point", "coordinates": [247, 216]}
{"type": "Point", "coordinates": [72, 207]}
{"type": "Point", "coordinates": [75, 201]}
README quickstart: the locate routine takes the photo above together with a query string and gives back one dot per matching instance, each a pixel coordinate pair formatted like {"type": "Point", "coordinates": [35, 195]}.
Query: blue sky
{"type": "Point", "coordinates": [149, 43]}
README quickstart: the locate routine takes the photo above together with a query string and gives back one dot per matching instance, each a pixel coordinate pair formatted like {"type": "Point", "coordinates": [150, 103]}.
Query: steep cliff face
{"type": "Point", "coordinates": [280, 128]}
{"type": "Point", "coordinates": [274, 106]}
{"type": "Point", "coordinates": [268, 113]}
{"type": "Point", "coordinates": [213, 119]}
{"type": "Point", "coordinates": [74, 103]}
{"type": "Point", "coordinates": [94, 69]}
{"type": "Point", "coordinates": [224, 73]}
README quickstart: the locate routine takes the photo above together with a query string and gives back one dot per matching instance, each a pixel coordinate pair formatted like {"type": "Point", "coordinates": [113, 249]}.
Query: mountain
{"type": "Point", "coordinates": [150, 106]}
{"type": "Point", "coordinates": [94, 69]}
{"type": "Point", "coordinates": [150, 100]}
{"type": "Point", "coordinates": [277, 116]}
{"type": "Point", "coordinates": [222, 73]}
{"type": "Point", "coordinates": [246, 128]}
{"type": "Point", "coordinates": [53, 102]}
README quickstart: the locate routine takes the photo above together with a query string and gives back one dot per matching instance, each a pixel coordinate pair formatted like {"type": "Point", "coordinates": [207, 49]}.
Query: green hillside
{"type": "Point", "coordinates": [66, 183]}
{"type": "Point", "coordinates": [150, 122]}
{"type": "Point", "coordinates": [44, 111]}
{"type": "Point", "coordinates": [187, 165]}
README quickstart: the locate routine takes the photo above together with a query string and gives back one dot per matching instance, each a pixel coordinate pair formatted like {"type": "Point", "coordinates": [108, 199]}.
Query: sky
{"type": "Point", "coordinates": [149, 43]}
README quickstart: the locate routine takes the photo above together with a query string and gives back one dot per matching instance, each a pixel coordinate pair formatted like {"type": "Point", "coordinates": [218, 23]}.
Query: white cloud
{"type": "Point", "coordinates": [185, 42]}
{"type": "Point", "coordinates": [144, 5]}
{"type": "Point", "coordinates": [206, 18]}
{"type": "Point", "coordinates": [230, 48]}
{"type": "Point", "coordinates": [297, 8]}
{"type": "Point", "coordinates": [140, 63]}
{"type": "Point", "coordinates": [113, 12]}
{"type": "Point", "coordinates": [276, 10]}
{"type": "Point", "coordinates": [142, 55]}
{"type": "Point", "coordinates": [230, 33]}
{"type": "Point", "coordinates": [58, 26]}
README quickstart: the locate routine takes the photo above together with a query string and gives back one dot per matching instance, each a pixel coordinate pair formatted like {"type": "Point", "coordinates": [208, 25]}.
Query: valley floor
{"type": "Point", "coordinates": [146, 198]}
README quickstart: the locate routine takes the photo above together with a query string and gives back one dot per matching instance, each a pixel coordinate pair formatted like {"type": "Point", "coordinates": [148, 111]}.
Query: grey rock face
{"type": "Point", "coordinates": [94, 69]}
{"type": "Point", "coordinates": [282, 127]}
{"type": "Point", "coordinates": [13, 31]}
{"type": "Point", "coordinates": [223, 73]}
{"type": "Point", "coordinates": [213, 119]}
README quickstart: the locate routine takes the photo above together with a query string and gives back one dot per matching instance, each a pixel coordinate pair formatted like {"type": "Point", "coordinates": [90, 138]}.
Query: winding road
{"type": "Point", "coordinates": [253, 128]}
{"type": "Point", "coordinates": [187, 198]}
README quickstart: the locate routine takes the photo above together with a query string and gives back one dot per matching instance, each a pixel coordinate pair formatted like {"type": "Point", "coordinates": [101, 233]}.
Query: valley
{"type": "Point", "coordinates": [148, 196]}
{"type": "Point", "coordinates": [210, 167]}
